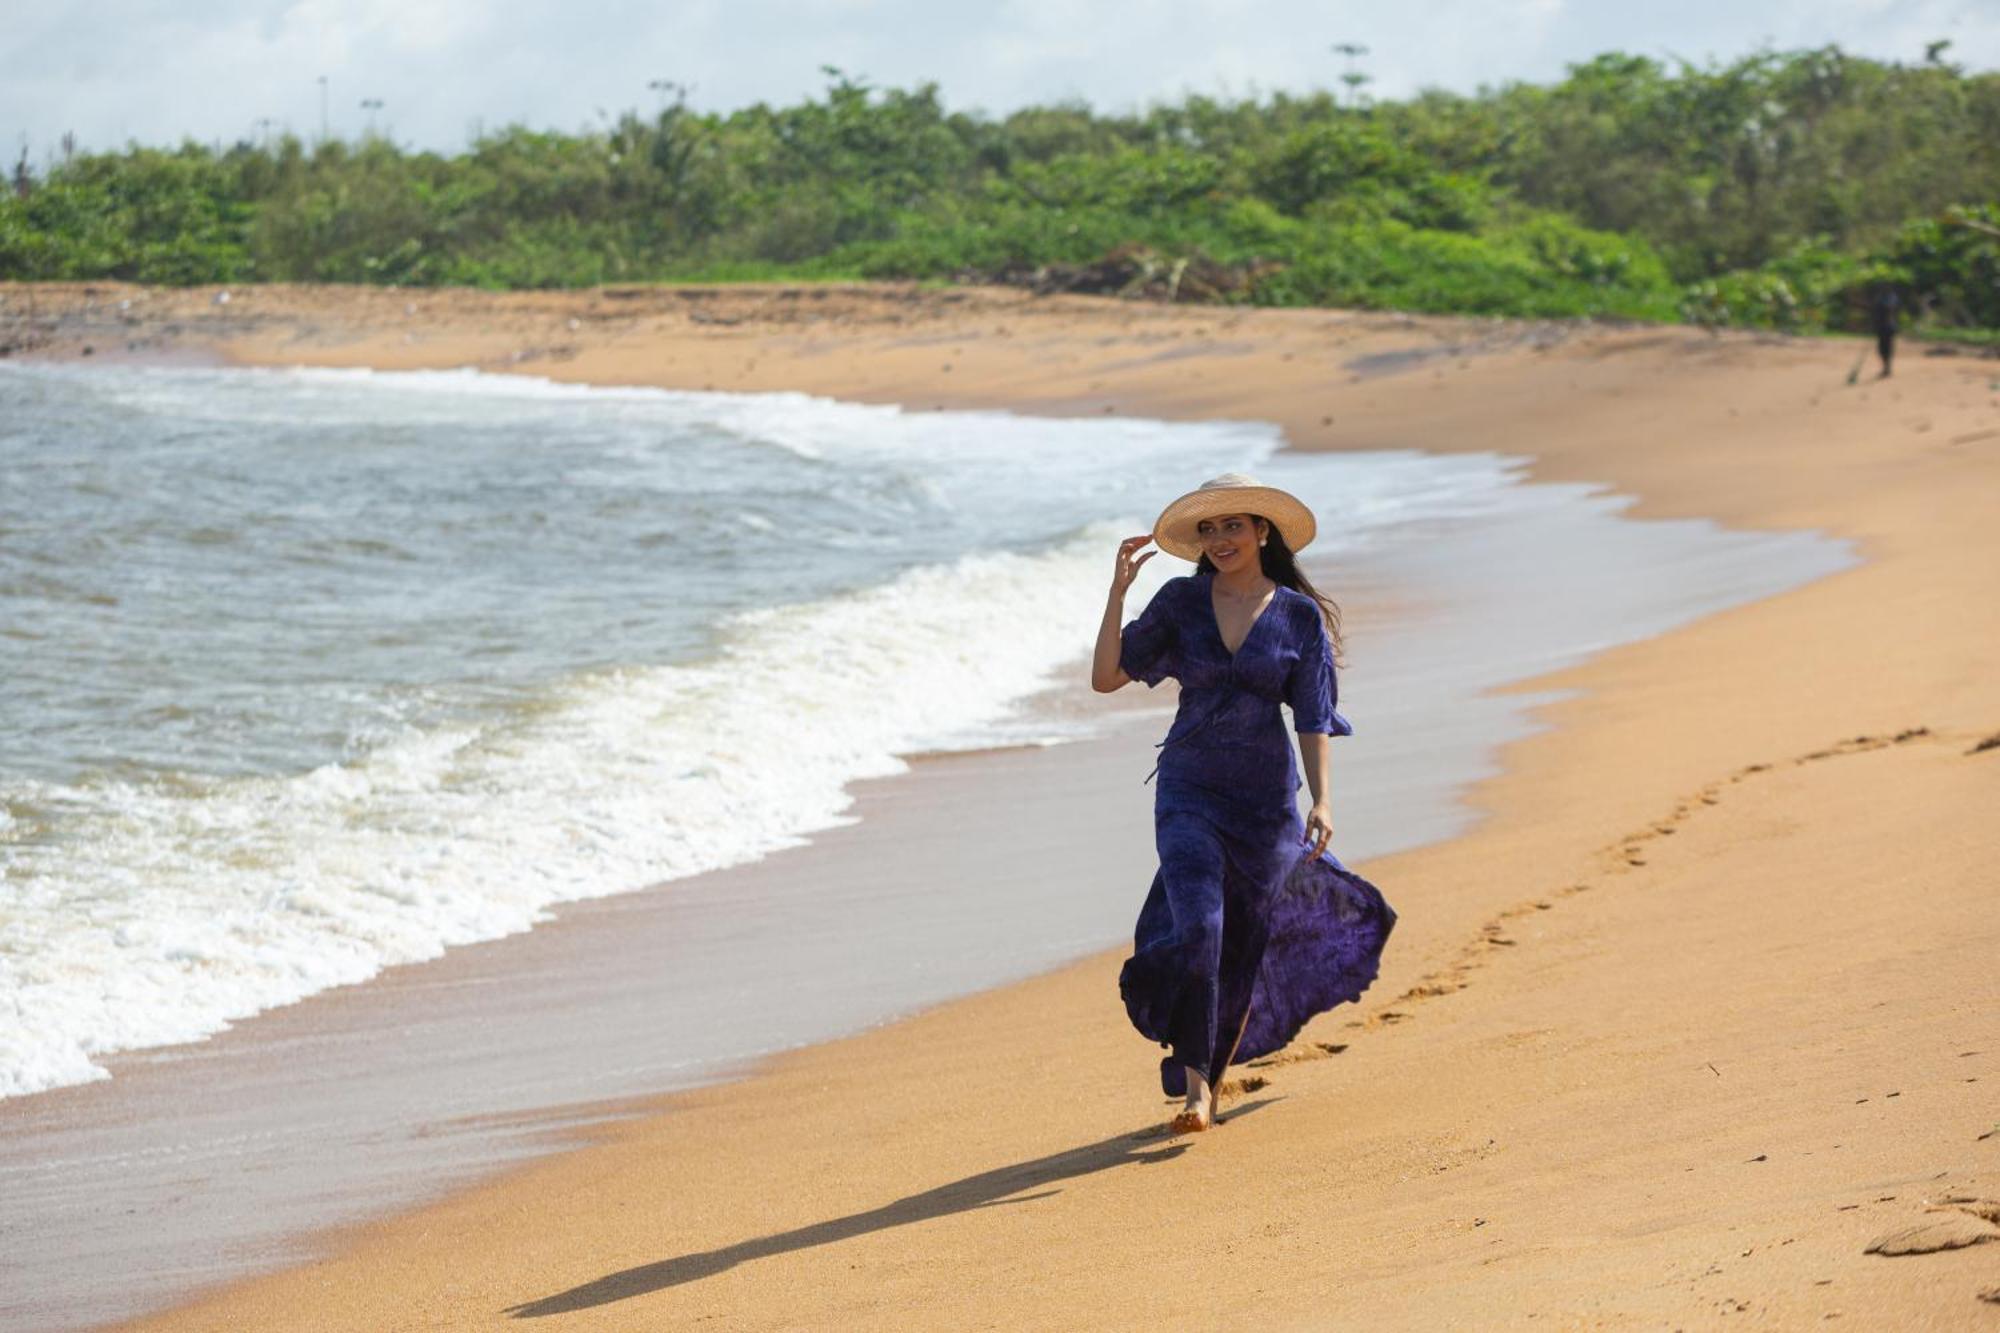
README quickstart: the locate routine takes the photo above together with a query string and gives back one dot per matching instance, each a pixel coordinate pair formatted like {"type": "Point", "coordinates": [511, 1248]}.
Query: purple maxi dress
{"type": "Point", "coordinates": [1243, 936]}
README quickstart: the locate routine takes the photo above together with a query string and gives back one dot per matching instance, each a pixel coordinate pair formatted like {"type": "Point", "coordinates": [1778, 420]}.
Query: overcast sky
{"type": "Point", "coordinates": [119, 70]}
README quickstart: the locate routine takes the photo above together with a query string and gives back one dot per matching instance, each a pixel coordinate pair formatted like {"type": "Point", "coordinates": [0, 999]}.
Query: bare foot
{"type": "Point", "coordinates": [1199, 1113]}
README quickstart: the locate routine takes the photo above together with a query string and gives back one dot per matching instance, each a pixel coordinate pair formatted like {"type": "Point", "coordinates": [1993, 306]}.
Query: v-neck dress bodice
{"type": "Point", "coordinates": [1242, 937]}
{"type": "Point", "coordinates": [1229, 736]}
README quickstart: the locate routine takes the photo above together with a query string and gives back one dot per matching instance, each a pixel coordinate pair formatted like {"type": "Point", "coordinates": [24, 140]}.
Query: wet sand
{"type": "Point", "coordinates": [1703, 1007]}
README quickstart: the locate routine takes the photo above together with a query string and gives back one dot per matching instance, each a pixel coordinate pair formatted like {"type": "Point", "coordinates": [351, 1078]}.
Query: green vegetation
{"type": "Point", "coordinates": [1778, 191]}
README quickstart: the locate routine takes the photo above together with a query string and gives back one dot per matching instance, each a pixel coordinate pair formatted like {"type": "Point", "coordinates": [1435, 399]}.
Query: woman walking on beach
{"type": "Point", "coordinates": [1251, 926]}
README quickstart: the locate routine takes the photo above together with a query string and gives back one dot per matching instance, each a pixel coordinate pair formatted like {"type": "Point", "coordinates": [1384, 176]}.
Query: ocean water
{"type": "Point", "coordinates": [307, 673]}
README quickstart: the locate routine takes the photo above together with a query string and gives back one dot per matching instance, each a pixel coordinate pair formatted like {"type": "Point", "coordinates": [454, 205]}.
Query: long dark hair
{"type": "Point", "coordinates": [1282, 568]}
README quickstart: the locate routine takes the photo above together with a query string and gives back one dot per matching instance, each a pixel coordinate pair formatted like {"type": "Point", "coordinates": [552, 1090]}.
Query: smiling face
{"type": "Point", "coordinates": [1230, 541]}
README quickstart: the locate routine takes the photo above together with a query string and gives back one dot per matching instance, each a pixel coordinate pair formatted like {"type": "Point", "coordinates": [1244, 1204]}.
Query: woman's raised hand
{"type": "Point", "coordinates": [1128, 568]}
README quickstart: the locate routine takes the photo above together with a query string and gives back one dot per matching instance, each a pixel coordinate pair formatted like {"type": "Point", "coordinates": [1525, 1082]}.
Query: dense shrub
{"type": "Point", "coordinates": [1391, 265]}
{"type": "Point", "coordinates": [1812, 287]}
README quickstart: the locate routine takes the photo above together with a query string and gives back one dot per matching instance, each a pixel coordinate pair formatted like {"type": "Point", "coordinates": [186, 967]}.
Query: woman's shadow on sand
{"type": "Point", "coordinates": [1003, 1185]}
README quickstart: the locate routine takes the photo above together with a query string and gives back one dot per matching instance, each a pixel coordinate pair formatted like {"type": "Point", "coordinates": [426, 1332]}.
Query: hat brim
{"type": "Point", "coordinates": [1175, 530]}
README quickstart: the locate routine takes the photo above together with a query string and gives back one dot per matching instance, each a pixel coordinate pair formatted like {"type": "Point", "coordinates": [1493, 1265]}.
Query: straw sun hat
{"type": "Point", "coordinates": [1231, 493]}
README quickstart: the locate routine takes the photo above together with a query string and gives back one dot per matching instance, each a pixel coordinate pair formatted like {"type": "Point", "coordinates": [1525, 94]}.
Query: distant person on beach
{"type": "Point", "coordinates": [1883, 309]}
{"type": "Point", "coordinates": [1251, 926]}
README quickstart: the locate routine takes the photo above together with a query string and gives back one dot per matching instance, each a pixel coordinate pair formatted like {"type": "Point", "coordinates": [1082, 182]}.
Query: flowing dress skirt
{"type": "Point", "coordinates": [1243, 936]}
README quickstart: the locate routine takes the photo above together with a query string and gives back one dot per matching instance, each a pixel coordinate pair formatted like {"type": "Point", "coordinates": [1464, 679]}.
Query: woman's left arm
{"type": "Point", "coordinates": [1316, 749]}
{"type": "Point", "coordinates": [1312, 692]}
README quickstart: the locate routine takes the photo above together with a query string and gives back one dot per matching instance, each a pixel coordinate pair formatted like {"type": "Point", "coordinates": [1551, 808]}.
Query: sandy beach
{"type": "Point", "coordinates": [1701, 1012]}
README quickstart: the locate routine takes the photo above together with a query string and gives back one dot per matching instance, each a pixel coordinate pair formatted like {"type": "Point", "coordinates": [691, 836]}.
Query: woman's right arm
{"type": "Point", "coordinates": [1105, 673]}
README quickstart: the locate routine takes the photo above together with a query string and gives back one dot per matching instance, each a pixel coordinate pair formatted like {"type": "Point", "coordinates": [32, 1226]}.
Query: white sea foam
{"type": "Point", "coordinates": [175, 911]}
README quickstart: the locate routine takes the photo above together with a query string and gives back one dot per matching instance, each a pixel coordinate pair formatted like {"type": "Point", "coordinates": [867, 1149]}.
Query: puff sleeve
{"type": "Point", "coordinates": [1146, 645]}
{"type": "Point", "coordinates": [1312, 689]}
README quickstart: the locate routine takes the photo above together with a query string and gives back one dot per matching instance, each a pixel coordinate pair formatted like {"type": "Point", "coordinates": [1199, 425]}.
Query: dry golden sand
{"type": "Point", "coordinates": [1707, 1006]}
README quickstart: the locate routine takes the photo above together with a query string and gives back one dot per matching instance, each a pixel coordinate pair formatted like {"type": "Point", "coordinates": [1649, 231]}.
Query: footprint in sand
{"type": "Point", "coordinates": [1291, 1055]}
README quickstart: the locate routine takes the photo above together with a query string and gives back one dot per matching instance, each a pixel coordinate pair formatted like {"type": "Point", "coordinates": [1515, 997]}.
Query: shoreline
{"type": "Point", "coordinates": [1612, 715]}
